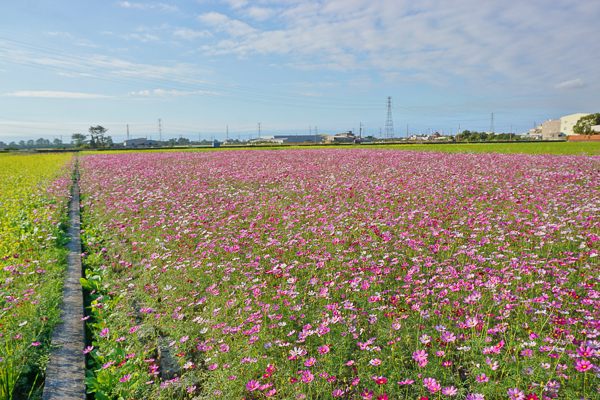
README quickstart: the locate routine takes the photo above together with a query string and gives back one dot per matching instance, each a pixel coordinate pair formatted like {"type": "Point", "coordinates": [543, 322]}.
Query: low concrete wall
{"type": "Point", "coordinates": [584, 138]}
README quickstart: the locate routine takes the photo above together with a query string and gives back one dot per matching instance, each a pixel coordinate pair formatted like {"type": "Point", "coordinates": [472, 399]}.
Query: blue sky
{"type": "Point", "coordinates": [204, 65]}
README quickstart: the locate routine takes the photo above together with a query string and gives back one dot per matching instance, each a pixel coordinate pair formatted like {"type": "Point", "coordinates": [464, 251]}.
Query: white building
{"type": "Point", "coordinates": [569, 121]}
{"type": "Point", "coordinates": [140, 143]}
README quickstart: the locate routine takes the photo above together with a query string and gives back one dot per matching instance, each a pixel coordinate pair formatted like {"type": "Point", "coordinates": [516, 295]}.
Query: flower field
{"type": "Point", "coordinates": [34, 192]}
{"type": "Point", "coordinates": [350, 274]}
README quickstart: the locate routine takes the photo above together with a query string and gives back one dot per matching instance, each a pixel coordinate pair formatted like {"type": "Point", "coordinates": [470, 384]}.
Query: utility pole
{"type": "Point", "coordinates": [259, 129]}
{"type": "Point", "coordinates": [227, 132]}
{"type": "Point", "coordinates": [459, 129]}
{"type": "Point", "coordinates": [389, 123]}
{"type": "Point", "coordinates": [315, 135]}
{"type": "Point", "coordinates": [381, 137]}
{"type": "Point", "coordinates": [127, 131]}
{"type": "Point", "coordinates": [360, 131]}
{"type": "Point", "coordinates": [492, 124]}
{"type": "Point", "coordinates": [406, 131]}
{"type": "Point", "coordinates": [160, 129]}
{"type": "Point", "coordinates": [510, 132]}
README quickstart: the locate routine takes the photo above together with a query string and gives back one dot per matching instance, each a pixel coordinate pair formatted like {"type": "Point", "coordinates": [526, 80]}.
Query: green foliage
{"type": "Point", "coordinates": [584, 125]}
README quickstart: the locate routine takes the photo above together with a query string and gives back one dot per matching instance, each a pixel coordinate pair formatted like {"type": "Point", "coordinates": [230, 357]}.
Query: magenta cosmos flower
{"type": "Point", "coordinates": [252, 385]}
{"type": "Point", "coordinates": [515, 394]}
{"type": "Point", "coordinates": [583, 365]}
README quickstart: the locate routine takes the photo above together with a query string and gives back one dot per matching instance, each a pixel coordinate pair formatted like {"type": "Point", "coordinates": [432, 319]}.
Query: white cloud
{"type": "Point", "coordinates": [142, 37]}
{"type": "Point", "coordinates": [55, 33]}
{"type": "Point", "coordinates": [260, 13]}
{"type": "Point", "coordinates": [171, 93]}
{"type": "Point", "coordinates": [148, 6]}
{"type": "Point", "coordinates": [57, 95]}
{"type": "Point", "coordinates": [190, 34]}
{"type": "Point", "coordinates": [500, 44]}
{"type": "Point", "coordinates": [572, 84]}
{"type": "Point", "coordinates": [236, 3]}
{"type": "Point", "coordinates": [222, 22]}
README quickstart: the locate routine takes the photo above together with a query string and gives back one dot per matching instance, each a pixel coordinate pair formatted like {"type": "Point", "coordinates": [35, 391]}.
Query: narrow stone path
{"type": "Point", "coordinates": [66, 368]}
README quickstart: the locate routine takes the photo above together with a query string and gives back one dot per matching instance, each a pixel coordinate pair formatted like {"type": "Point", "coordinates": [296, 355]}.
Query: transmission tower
{"type": "Point", "coordinates": [492, 124]}
{"type": "Point", "coordinates": [160, 129]}
{"type": "Point", "coordinates": [389, 123]}
{"type": "Point", "coordinates": [259, 129]}
{"type": "Point", "coordinates": [127, 131]}
{"type": "Point", "coordinates": [227, 132]}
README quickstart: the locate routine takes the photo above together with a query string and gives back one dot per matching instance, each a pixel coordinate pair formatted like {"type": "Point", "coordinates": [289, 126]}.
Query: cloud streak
{"type": "Point", "coordinates": [57, 95]}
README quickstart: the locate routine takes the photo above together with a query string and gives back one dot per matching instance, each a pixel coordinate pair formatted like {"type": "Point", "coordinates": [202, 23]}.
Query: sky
{"type": "Point", "coordinates": [208, 67]}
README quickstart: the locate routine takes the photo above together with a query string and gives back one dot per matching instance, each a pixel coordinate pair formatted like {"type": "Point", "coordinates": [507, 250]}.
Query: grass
{"type": "Point", "coordinates": [557, 148]}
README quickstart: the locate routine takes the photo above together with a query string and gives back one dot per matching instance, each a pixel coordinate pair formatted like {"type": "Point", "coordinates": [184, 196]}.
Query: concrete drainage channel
{"type": "Point", "coordinates": [65, 373]}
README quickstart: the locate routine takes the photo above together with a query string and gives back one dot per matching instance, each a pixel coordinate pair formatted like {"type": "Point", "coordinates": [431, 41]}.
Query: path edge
{"type": "Point", "coordinates": [65, 373]}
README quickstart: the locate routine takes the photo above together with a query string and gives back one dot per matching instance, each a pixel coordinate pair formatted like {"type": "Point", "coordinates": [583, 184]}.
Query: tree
{"type": "Point", "coordinates": [584, 125]}
{"type": "Point", "coordinates": [79, 139]}
{"type": "Point", "coordinates": [97, 136]}
{"type": "Point", "coordinates": [57, 142]}
{"type": "Point", "coordinates": [30, 143]}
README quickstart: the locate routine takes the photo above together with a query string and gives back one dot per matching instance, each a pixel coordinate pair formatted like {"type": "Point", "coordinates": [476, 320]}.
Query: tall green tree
{"type": "Point", "coordinates": [79, 139]}
{"type": "Point", "coordinates": [584, 125]}
{"type": "Point", "coordinates": [97, 136]}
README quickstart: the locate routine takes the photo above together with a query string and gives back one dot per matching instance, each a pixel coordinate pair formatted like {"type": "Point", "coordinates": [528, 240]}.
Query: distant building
{"type": "Point", "coordinates": [596, 129]}
{"type": "Point", "coordinates": [280, 139]}
{"type": "Point", "coordinates": [569, 121]}
{"type": "Point", "coordinates": [420, 137]}
{"type": "Point", "coordinates": [346, 137]}
{"type": "Point", "coordinates": [140, 143]}
{"type": "Point", "coordinates": [551, 130]}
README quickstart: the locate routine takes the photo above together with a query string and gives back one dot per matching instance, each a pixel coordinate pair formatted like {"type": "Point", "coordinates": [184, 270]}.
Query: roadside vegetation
{"type": "Point", "coordinates": [34, 193]}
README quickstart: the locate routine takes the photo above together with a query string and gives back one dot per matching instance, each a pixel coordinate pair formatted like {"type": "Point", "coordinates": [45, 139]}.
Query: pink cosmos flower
{"type": "Point", "coordinates": [125, 378]}
{"type": "Point", "coordinates": [324, 349]}
{"type": "Point", "coordinates": [482, 378]}
{"type": "Point", "coordinates": [88, 349]}
{"type": "Point", "coordinates": [338, 393]}
{"type": "Point", "coordinates": [475, 396]}
{"type": "Point", "coordinates": [406, 382]}
{"type": "Point", "coordinates": [367, 394]}
{"type": "Point", "coordinates": [516, 394]}
{"type": "Point", "coordinates": [382, 397]}
{"type": "Point", "coordinates": [191, 389]}
{"type": "Point", "coordinates": [307, 377]}
{"type": "Point", "coordinates": [448, 337]}
{"type": "Point", "coordinates": [420, 355]}
{"type": "Point", "coordinates": [585, 351]}
{"type": "Point", "coordinates": [104, 332]}
{"type": "Point", "coordinates": [583, 365]}
{"type": "Point", "coordinates": [355, 381]}
{"type": "Point", "coordinates": [375, 362]}
{"type": "Point", "coordinates": [449, 391]}
{"type": "Point", "coordinates": [36, 343]}
{"type": "Point", "coordinates": [252, 385]}
{"type": "Point", "coordinates": [271, 393]}
{"type": "Point", "coordinates": [212, 367]}
{"type": "Point", "coordinates": [310, 361]}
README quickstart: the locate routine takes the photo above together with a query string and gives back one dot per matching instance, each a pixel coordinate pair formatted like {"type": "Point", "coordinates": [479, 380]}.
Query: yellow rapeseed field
{"type": "Point", "coordinates": [34, 193]}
